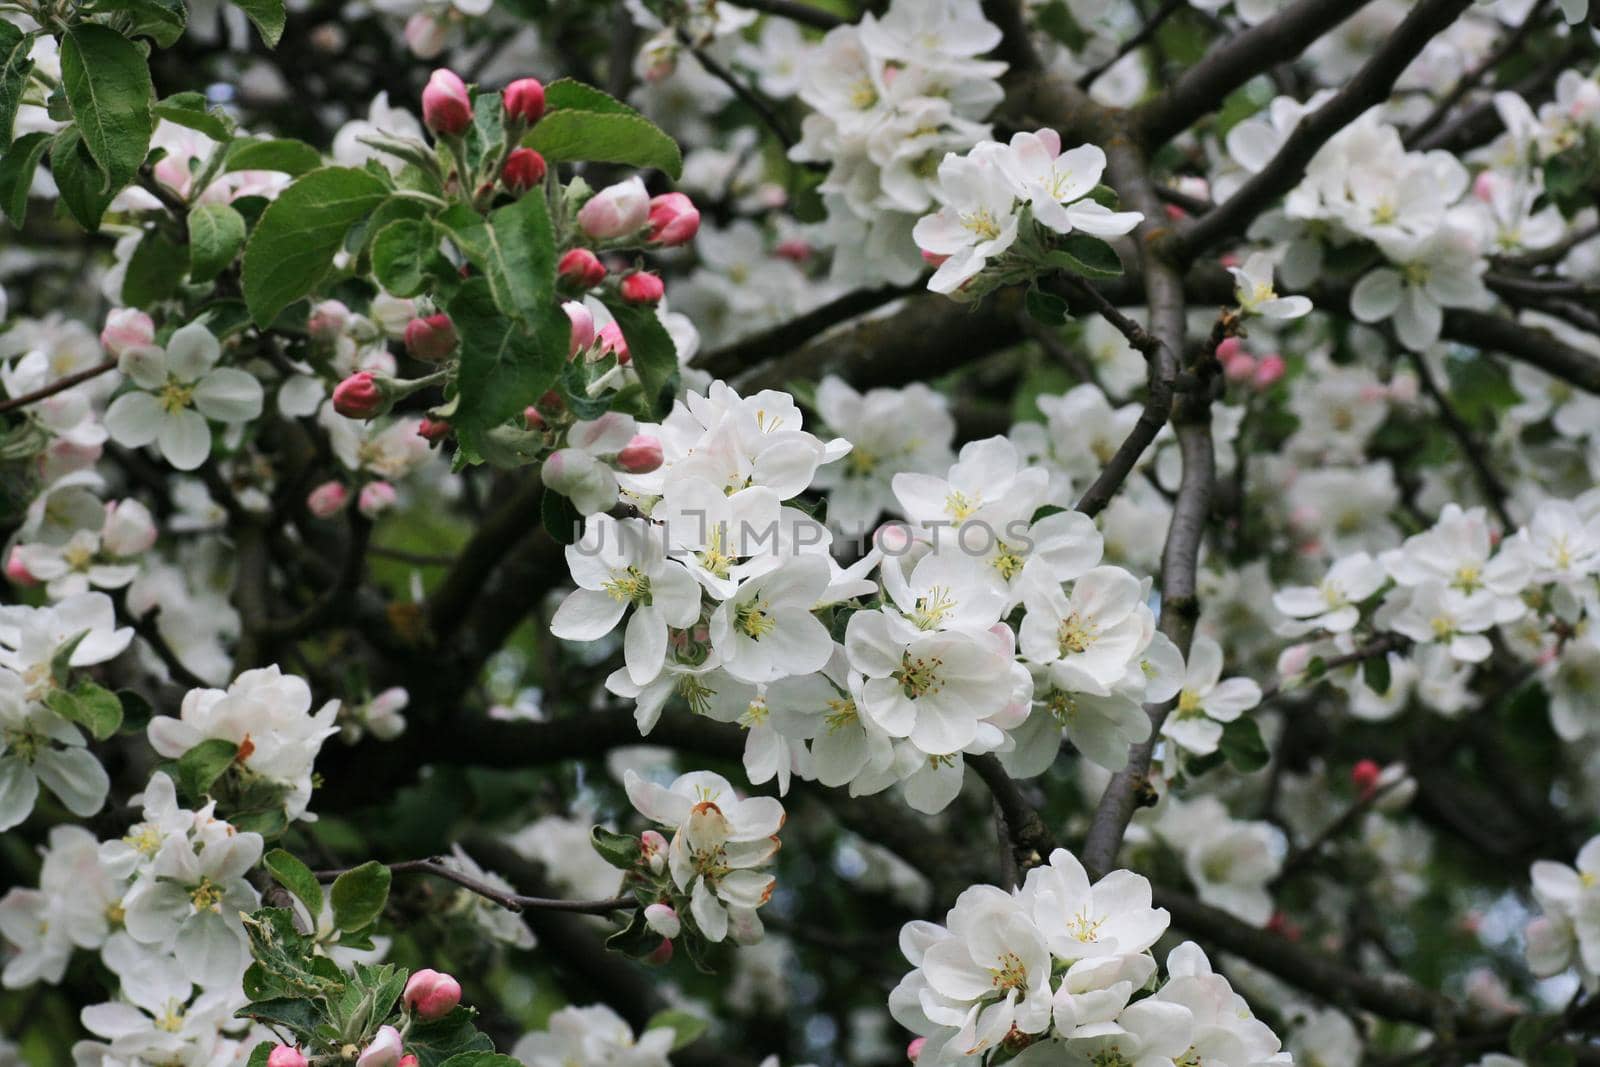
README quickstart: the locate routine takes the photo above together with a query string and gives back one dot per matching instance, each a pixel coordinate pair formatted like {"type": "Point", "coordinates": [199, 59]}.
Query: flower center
{"type": "Point", "coordinates": [754, 619]}
{"type": "Point", "coordinates": [981, 224]}
{"type": "Point", "coordinates": [1007, 562]}
{"type": "Point", "coordinates": [931, 610]}
{"type": "Point", "coordinates": [176, 395]}
{"type": "Point", "coordinates": [841, 713]}
{"type": "Point", "coordinates": [630, 585]}
{"type": "Point", "coordinates": [960, 506]}
{"type": "Point", "coordinates": [1074, 635]}
{"type": "Point", "coordinates": [919, 677]}
{"type": "Point", "coordinates": [206, 896]}
{"type": "Point", "coordinates": [1010, 974]}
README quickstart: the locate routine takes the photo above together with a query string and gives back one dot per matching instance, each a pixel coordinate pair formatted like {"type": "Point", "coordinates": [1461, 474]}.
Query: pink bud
{"type": "Point", "coordinates": [1268, 371]}
{"type": "Point", "coordinates": [933, 259]}
{"type": "Point", "coordinates": [18, 571]}
{"type": "Point", "coordinates": [1403, 388]}
{"type": "Point", "coordinates": [358, 396]}
{"type": "Point", "coordinates": [1279, 923]}
{"type": "Point", "coordinates": [524, 170]}
{"type": "Point", "coordinates": [612, 343]}
{"type": "Point", "coordinates": [663, 920]}
{"type": "Point", "coordinates": [127, 328]}
{"type": "Point", "coordinates": [524, 100]}
{"type": "Point", "coordinates": [674, 220]}
{"type": "Point", "coordinates": [426, 35]}
{"type": "Point", "coordinates": [1484, 185]}
{"type": "Point", "coordinates": [384, 1051]}
{"type": "Point", "coordinates": [582, 335]}
{"type": "Point", "coordinates": [1228, 349]}
{"type": "Point", "coordinates": [1364, 775]}
{"type": "Point", "coordinates": [794, 249]}
{"type": "Point", "coordinates": [640, 455]}
{"type": "Point", "coordinates": [431, 339]}
{"type": "Point", "coordinates": [407, 1061]}
{"type": "Point", "coordinates": [327, 499]}
{"type": "Point", "coordinates": [375, 499]}
{"type": "Point", "coordinates": [531, 416]}
{"type": "Point", "coordinates": [642, 287]}
{"type": "Point", "coordinates": [1174, 212]}
{"type": "Point", "coordinates": [430, 994]}
{"type": "Point", "coordinates": [1240, 368]}
{"type": "Point", "coordinates": [616, 211]}
{"type": "Point", "coordinates": [433, 430]}
{"type": "Point", "coordinates": [662, 953]}
{"type": "Point", "coordinates": [581, 269]}
{"type": "Point", "coordinates": [1294, 660]}
{"type": "Point", "coordinates": [446, 108]}
{"type": "Point", "coordinates": [284, 1056]}
{"type": "Point", "coordinates": [914, 1049]}
{"type": "Point", "coordinates": [653, 850]}
{"type": "Point", "coordinates": [327, 321]}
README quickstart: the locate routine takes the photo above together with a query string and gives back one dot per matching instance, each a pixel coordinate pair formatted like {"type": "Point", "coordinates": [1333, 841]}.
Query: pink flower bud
{"type": "Point", "coordinates": [408, 1061]}
{"type": "Point", "coordinates": [933, 259]}
{"type": "Point", "coordinates": [1403, 388]}
{"type": "Point", "coordinates": [662, 953]}
{"type": "Point", "coordinates": [612, 343]}
{"type": "Point", "coordinates": [663, 920]}
{"type": "Point", "coordinates": [284, 1056]}
{"type": "Point", "coordinates": [531, 416]}
{"type": "Point", "coordinates": [582, 320]}
{"type": "Point", "coordinates": [1294, 660]}
{"type": "Point", "coordinates": [446, 108]}
{"type": "Point", "coordinates": [433, 430]}
{"type": "Point", "coordinates": [384, 1051]}
{"type": "Point", "coordinates": [1268, 371]}
{"type": "Point", "coordinates": [18, 571]}
{"type": "Point", "coordinates": [653, 850]}
{"type": "Point", "coordinates": [642, 287]}
{"type": "Point", "coordinates": [641, 455]}
{"type": "Point", "coordinates": [358, 396]}
{"type": "Point", "coordinates": [616, 211]}
{"type": "Point", "coordinates": [431, 339]}
{"type": "Point", "coordinates": [430, 994]}
{"type": "Point", "coordinates": [1240, 368]}
{"type": "Point", "coordinates": [1228, 349]}
{"type": "Point", "coordinates": [794, 249]}
{"type": "Point", "coordinates": [327, 499]}
{"type": "Point", "coordinates": [327, 321]}
{"type": "Point", "coordinates": [914, 1049]}
{"type": "Point", "coordinates": [127, 328]}
{"type": "Point", "coordinates": [1364, 776]}
{"type": "Point", "coordinates": [674, 220]}
{"type": "Point", "coordinates": [129, 528]}
{"type": "Point", "coordinates": [581, 269]}
{"type": "Point", "coordinates": [524, 100]}
{"type": "Point", "coordinates": [1279, 923]}
{"type": "Point", "coordinates": [375, 499]}
{"type": "Point", "coordinates": [524, 170]}
{"type": "Point", "coordinates": [426, 35]}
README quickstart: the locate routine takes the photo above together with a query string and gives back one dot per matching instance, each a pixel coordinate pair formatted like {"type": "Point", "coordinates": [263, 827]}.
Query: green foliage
{"type": "Point", "coordinates": [1242, 745]}
{"type": "Point", "coordinates": [284, 156]}
{"type": "Point", "coordinates": [294, 242]}
{"type": "Point", "coordinates": [107, 83]}
{"type": "Point", "coordinates": [200, 767]}
{"type": "Point", "coordinates": [515, 250]}
{"type": "Point", "coordinates": [268, 17]}
{"type": "Point", "coordinates": [216, 233]}
{"type": "Point", "coordinates": [296, 877]}
{"type": "Point", "coordinates": [1085, 255]}
{"type": "Point", "coordinates": [15, 67]}
{"type": "Point", "coordinates": [504, 366]}
{"type": "Point", "coordinates": [91, 706]}
{"type": "Point", "coordinates": [191, 109]}
{"type": "Point", "coordinates": [619, 850]}
{"type": "Point", "coordinates": [155, 270]}
{"type": "Point", "coordinates": [686, 1028]}
{"type": "Point", "coordinates": [583, 123]}
{"type": "Point", "coordinates": [402, 255]}
{"type": "Point", "coordinates": [652, 352]}
{"type": "Point", "coordinates": [163, 21]}
{"type": "Point", "coordinates": [561, 520]}
{"type": "Point", "coordinates": [17, 166]}
{"type": "Point", "coordinates": [359, 894]}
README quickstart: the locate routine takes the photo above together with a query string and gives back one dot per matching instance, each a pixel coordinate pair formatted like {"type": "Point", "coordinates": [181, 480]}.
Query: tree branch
{"type": "Point", "coordinates": [439, 867]}
{"type": "Point", "coordinates": [58, 386]}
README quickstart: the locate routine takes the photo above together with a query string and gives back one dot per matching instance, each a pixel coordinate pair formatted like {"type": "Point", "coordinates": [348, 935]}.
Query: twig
{"type": "Point", "coordinates": [1379, 646]}
{"type": "Point", "coordinates": [764, 111]}
{"type": "Point", "coordinates": [739, 356]}
{"type": "Point", "coordinates": [439, 867]}
{"type": "Point", "coordinates": [1147, 31]}
{"type": "Point", "coordinates": [57, 386]}
{"type": "Point", "coordinates": [1493, 488]}
{"type": "Point", "coordinates": [1031, 842]}
{"type": "Point", "coordinates": [804, 14]}
{"type": "Point", "coordinates": [1473, 77]}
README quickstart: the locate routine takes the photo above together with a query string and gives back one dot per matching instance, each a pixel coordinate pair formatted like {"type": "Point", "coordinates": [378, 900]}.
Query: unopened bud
{"type": "Point", "coordinates": [674, 220]}
{"type": "Point", "coordinates": [285, 1056]}
{"type": "Point", "coordinates": [653, 850]}
{"type": "Point", "coordinates": [581, 269]}
{"type": "Point", "coordinates": [612, 343]}
{"type": "Point", "coordinates": [431, 339]}
{"type": "Point", "coordinates": [431, 994]}
{"type": "Point", "coordinates": [662, 953]}
{"type": "Point", "coordinates": [914, 1049]}
{"type": "Point", "coordinates": [446, 107]}
{"type": "Point", "coordinates": [642, 287]}
{"type": "Point", "coordinates": [327, 499]}
{"type": "Point", "coordinates": [1364, 775]}
{"type": "Point", "coordinates": [385, 1050]}
{"type": "Point", "coordinates": [18, 571]}
{"type": "Point", "coordinates": [531, 416]}
{"type": "Point", "coordinates": [641, 456]}
{"type": "Point", "coordinates": [663, 920]}
{"type": "Point", "coordinates": [582, 319]}
{"type": "Point", "coordinates": [433, 430]}
{"type": "Point", "coordinates": [127, 328]}
{"type": "Point", "coordinates": [327, 321]}
{"type": "Point", "coordinates": [426, 35]}
{"type": "Point", "coordinates": [524, 100]}
{"type": "Point", "coordinates": [375, 499]}
{"type": "Point", "coordinates": [1268, 371]}
{"type": "Point", "coordinates": [359, 396]}
{"type": "Point", "coordinates": [616, 211]}
{"type": "Point", "coordinates": [524, 170]}
{"type": "Point", "coordinates": [1241, 368]}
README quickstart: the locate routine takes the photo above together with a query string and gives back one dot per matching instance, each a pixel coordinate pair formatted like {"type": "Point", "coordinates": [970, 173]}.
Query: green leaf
{"type": "Point", "coordinates": [194, 111]}
{"type": "Point", "coordinates": [61, 661]}
{"type": "Point", "coordinates": [268, 16]}
{"type": "Point", "coordinates": [435, 1042]}
{"type": "Point", "coordinates": [359, 895]}
{"type": "Point", "coordinates": [201, 766]}
{"type": "Point", "coordinates": [620, 850]}
{"type": "Point", "coordinates": [284, 156]}
{"type": "Point", "coordinates": [107, 82]}
{"type": "Point", "coordinates": [481, 1059]}
{"type": "Point", "coordinates": [686, 1028]}
{"type": "Point", "coordinates": [297, 878]}
{"type": "Point", "coordinates": [16, 174]}
{"type": "Point", "coordinates": [291, 1013]}
{"type": "Point", "coordinates": [560, 517]}
{"type": "Point", "coordinates": [583, 123]}
{"type": "Point", "coordinates": [294, 242]}
{"type": "Point", "coordinates": [15, 67]}
{"type": "Point", "coordinates": [216, 233]}
{"type": "Point", "coordinates": [1056, 19]}
{"type": "Point", "coordinates": [162, 21]}
{"type": "Point", "coordinates": [1046, 308]}
{"type": "Point", "coordinates": [652, 351]}
{"type": "Point", "coordinates": [155, 270]}
{"type": "Point", "coordinates": [85, 192]}
{"type": "Point", "coordinates": [401, 254]}
{"type": "Point", "coordinates": [136, 711]}
{"type": "Point", "coordinates": [514, 248]}
{"type": "Point", "coordinates": [93, 707]}
{"type": "Point", "coordinates": [504, 367]}
{"type": "Point", "coordinates": [1085, 255]}
{"type": "Point", "coordinates": [261, 1054]}
{"type": "Point", "coordinates": [1242, 745]}
{"type": "Point", "coordinates": [1375, 671]}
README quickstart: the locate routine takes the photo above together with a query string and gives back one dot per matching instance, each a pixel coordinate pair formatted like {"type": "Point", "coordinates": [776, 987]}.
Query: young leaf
{"type": "Point", "coordinates": [192, 110]}
{"type": "Point", "coordinates": [561, 520]}
{"type": "Point", "coordinates": [294, 242]}
{"type": "Point", "coordinates": [15, 67]}
{"type": "Point", "coordinates": [514, 248]}
{"type": "Point", "coordinates": [163, 21]}
{"type": "Point", "coordinates": [155, 269]}
{"type": "Point", "coordinates": [504, 367]}
{"type": "Point", "coordinates": [1088, 256]}
{"type": "Point", "coordinates": [1046, 308]}
{"type": "Point", "coordinates": [359, 895]}
{"type": "Point", "coordinates": [686, 1028]}
{"type": "Point", "coordinates": [293, 158]}
{"type": "Point", "coordinates": [435, 1041]}
{"type": "Point", "coordinates": [268, 16]}
{"type": "Point", "coordinates": [107, 82]}
{"type": "Point", "coordinates": [94, 708]}
{"type": "Point", "coordinates": [1242, 745]}
{"type": "Point", "coordinates": [480, 1059]}
{"type": "Point", "coordinates": [1375, 672]}
{"type": "Point", "coordinates": [652, 351]}
{"type": "Point", "coordinates": [401, 253]}
{"type": "Point", "coordinates": [201, 766]}
{"type": "Point", "coordinates": [583, 123]}
{"type": "Point", "coordinates": [216, 233]}
{"type": "Point", "coordinates": [16, 174]}
{"type": "Point", "coordinates": [297, 878]}
{"type": "Point", "coordinates": [619, 850]}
